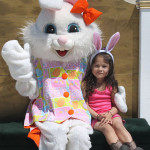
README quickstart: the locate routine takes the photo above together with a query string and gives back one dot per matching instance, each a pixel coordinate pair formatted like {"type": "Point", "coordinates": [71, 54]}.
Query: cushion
{"type": "Point", "coordinates": [13, 136]}
{"type": "Point", "coordinates": [138, 128]}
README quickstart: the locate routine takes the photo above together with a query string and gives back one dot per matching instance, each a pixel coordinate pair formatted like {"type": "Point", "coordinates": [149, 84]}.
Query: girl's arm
{"type": "Point", "coordinates": [92, 112]}
{"type": "Point", "coordinates": [114, 109]}
{"type": "Point", "coordinates": [107, 117]}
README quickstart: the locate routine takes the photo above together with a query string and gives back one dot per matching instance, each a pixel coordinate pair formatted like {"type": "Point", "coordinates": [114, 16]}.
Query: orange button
{"type": "Point", "coordinates": [71, 112]}
{"type": "Point", "coordinates": [64, 75]}
{"type": "Point", "coordinates": [66, 94]}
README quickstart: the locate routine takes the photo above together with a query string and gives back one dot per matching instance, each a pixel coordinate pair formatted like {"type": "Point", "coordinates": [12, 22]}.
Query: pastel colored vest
{"type": "Point", "coordinates": [60, 95]}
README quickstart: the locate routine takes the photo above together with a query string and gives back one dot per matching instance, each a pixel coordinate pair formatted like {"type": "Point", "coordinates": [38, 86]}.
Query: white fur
{"type": "Point", "coordinates": [120, 100]}
{"type": "Point", "coordinates": [51, 4]}
{"type": "Point", "coordinates": [73, 135]}
{"type": "Point", "coordinates": [79, 45]}
{"type": "Point", "coordinates": [20, 67]}
{"type": "Point", "coordinates": [28, 88]}
{"type": "Point", "coordinates": [18, 60]}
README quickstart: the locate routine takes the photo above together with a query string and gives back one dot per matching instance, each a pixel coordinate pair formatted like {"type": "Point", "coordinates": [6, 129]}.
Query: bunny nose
{"type": "Point", "coordinates": [62, 40]}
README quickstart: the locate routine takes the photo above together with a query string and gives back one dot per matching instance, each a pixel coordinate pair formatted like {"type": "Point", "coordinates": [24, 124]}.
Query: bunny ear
{"type": "Point", "coordinates": [54, 4]}
{"type": "Point", "coordinates": [51, 4]}
{"type": "Point", "coordinates": [113, 41]}
{"type": "Point", "coordinates": [71, 1]}
{"type": "Point", "coordinates": [97, 41]}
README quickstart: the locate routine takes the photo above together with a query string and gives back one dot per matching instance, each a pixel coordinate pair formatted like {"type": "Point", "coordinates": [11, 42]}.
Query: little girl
{"type": "Point", "coordinates": [100, 86]}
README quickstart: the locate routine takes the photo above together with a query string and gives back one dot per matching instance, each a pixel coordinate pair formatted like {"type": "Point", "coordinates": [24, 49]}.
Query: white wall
{"type": "Point", "coordinates": [144, 65]}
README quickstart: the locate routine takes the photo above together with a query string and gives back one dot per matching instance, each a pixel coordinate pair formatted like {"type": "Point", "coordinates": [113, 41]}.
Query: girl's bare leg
{"type": "Point", "coordinates": [111, 136]}
{"type": "Point", "coordinates": [123, 135]}
{"type": "Point", "coordinates": [121, 132]}
{"type": "Point", "coordinates": [108, 132]}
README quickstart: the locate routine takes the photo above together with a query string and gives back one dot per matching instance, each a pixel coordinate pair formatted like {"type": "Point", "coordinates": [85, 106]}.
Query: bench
{"type": "Point", "coordinates": [13, 136]}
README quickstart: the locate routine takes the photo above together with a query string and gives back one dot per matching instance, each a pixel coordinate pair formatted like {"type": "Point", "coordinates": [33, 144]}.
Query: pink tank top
{"type": "Point", "coordinates": [100, 101]}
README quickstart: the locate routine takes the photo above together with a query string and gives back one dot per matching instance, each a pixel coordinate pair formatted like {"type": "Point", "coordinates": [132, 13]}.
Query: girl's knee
{"type": "Point", "coordinates": [104, 129]}
{"type": "Point", "coordinates": [118, 127]}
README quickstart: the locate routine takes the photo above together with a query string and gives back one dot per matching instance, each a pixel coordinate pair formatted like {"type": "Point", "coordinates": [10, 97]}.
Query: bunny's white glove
{"type": "Point", "coordinates": [20, 67]}
{"type": "Point", "coordinates": [120, 100]}
{"type": "Point", "coordinates": [18, 60]}
{"type": "Point", "coordinates": [28, 88]}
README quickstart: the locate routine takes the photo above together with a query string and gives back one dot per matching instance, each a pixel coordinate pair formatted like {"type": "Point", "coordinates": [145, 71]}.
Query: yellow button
{"type": "Point", "coordinates": [66, 94]}
{"type": "Point", "coordinates": [64, 75]}
{"type": "Point", "coordinates": [71, 112]}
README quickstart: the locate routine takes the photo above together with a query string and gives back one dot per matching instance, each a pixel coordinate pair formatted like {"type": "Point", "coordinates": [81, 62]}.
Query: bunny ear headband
{"type": "Point", "coordinates": [111, 44]}
{"type": "Point", "coordinates": [79, 6]}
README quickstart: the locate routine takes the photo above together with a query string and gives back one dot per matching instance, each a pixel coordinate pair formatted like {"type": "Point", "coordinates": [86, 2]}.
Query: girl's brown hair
{"type": "Point", "coordinates": [89, 80]}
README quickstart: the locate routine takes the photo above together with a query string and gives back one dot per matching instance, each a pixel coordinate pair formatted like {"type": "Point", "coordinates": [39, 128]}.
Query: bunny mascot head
{"type": "Point", "coordinates": [49, 70]}
{"type": "Point", "coordinates": [58, 34]}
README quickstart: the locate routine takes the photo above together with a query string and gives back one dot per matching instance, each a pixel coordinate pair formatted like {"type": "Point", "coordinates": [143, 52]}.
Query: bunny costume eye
{"type": "Point", "coordinates": [73, 27]}
{"type": "Point", "coordinates": [50, 29]}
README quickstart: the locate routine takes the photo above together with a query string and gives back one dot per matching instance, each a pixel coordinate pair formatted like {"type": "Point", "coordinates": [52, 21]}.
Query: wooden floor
{"type": "Point", "coordinates": [117, 16]}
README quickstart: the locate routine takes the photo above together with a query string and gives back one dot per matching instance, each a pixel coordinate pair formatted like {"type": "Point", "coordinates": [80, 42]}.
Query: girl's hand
{"type": "Point", "coordinates": [99, 117]}
{"type": "Point", "coordinates": [108, 114]}
{"type": "Point", "coordinates": [106, 119]}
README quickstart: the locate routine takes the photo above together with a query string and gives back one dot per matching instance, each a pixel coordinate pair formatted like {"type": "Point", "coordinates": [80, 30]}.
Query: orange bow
{"type": "Point", "coordinates": [89, 14]}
